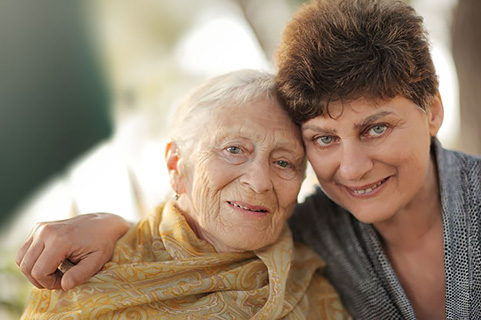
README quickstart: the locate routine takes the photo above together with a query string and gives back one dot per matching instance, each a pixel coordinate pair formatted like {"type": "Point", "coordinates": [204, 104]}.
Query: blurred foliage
{"type": "Point", "coordinates": [54, 105]}
{"type": "Point", "coordinates": [14, 287]}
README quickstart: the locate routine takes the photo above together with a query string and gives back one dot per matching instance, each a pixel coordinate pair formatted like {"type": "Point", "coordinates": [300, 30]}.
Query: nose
{"type": "Point", "coordinates": [355, 162]}
{"type": "Point", "coordinates": [257, 177]}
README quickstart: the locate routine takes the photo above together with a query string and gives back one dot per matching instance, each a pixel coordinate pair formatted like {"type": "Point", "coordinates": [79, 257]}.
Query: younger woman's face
{"type": "Point", "coordinates": [373, 158]}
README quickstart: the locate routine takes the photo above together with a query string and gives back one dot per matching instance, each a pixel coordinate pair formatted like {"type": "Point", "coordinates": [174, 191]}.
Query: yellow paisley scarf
{"type": "Point", "coordinates": [161, 270]}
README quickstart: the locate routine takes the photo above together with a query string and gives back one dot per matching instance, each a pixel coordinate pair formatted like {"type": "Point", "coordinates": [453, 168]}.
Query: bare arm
{"type": "Point", "coordinates": [87, 240]}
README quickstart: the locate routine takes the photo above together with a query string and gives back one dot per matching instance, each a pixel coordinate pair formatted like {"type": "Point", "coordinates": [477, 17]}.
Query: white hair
{"type": "Point", "coordinates": [234, 88]}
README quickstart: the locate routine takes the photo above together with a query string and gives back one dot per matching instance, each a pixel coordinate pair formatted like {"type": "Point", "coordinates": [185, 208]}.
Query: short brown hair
{"type": "Point", "coordinates": [341, 50]}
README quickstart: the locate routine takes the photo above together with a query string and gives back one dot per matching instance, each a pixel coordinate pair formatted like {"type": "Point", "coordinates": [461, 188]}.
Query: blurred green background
{"type": "Point", "coordinates": [53, 100]}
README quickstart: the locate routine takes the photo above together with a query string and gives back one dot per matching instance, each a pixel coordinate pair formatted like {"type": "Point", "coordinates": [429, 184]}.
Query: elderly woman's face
{"type": "Point", "coordinates": [244, 176]}
{"type": "Point", "coordinates": [374, 158]}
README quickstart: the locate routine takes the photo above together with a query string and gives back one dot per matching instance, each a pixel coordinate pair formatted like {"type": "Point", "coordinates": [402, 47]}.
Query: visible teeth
{"type": "Point", "coordinates": [245, 208]}
{"type": "Point", "coordinates": [368, 189]}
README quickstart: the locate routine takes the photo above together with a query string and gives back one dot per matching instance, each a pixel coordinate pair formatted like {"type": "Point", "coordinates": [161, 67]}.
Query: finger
{"type": "Point", "coordinates": [51, 281]}
{"type": "Point", "coordinates": [82, 271]}
{"type": "Point", "coordinates": [29, 259]}
{"type": "Point", "coordinates": [45, 271]}
{"type": "Point", "coordinates": [23, 249]}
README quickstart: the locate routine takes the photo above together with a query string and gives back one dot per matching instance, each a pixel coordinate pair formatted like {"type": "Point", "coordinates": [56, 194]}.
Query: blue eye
{"type": "Point", "coordinates": [234, 150]}
{"type": "Point", "coordinates": [377, 130]}
{"type": "Point", "coordinates": [325, 140]}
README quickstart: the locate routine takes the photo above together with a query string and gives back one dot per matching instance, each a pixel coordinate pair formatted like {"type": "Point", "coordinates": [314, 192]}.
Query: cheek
{"type": "Point", "coordinates": [414, 155]}
{"type": "Point", "coordinates": [413, 167]}
{"type": "Point", "coordinates": [287, 192]}
{"type": "Point", "coordinates": [322, 164]}
{"type": "Point", "coordinates": [212, 178]}
{"type": "Point", "coordinates": [205, 188]}
{"type": "Point", "coordinates": [218, 175]}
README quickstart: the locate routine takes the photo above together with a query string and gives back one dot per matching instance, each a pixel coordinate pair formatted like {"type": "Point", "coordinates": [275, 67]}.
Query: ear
{"type": "Point", "coordinates": [172, 158]}
{"type": "Point", "coordinates": [435, 115]}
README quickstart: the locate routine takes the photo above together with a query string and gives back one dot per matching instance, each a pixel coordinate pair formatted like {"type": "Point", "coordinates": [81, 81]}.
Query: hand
{"type": "Point", "coordinates": [87, 241]}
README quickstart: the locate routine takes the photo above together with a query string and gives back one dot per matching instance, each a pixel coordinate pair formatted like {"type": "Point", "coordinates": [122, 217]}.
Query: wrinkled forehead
{"type": "Point", "coordinates": [261, 119]}
{"type": "Point", "coordinates": [266, 108]}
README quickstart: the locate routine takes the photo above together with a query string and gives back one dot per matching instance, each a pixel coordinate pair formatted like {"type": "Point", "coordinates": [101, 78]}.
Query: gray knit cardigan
{"type": "Point", "coordinates": [360, 270]}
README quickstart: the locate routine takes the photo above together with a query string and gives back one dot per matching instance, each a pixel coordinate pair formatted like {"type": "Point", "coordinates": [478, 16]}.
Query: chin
{"type": "Point", "coordinates": [250, 244]}
{"type": "Point", "coordinates": [256, 245]}
{"type": "Point", "coordinates": [371, 216]}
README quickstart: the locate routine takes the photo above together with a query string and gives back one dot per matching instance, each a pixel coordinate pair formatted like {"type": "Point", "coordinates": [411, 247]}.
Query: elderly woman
{"type": "Point", "coordinates": [221, 248]}
{"type": "Point", "coordinates": [397, 218]}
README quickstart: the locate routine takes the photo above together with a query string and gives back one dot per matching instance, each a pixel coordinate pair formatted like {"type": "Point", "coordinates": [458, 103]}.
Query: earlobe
{"type": "Point", "coordinates": [436, 115]}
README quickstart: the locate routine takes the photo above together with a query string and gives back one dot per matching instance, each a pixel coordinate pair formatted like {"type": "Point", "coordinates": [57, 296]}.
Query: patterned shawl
{"type": "Point", "coordinates": [160, 269]}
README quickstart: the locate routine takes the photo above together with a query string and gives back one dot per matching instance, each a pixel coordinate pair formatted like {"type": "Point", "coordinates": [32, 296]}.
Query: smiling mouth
{"type": "Point", "coordinates": [368, 190]}
{"type": "Point", "coordinates": [248, 208]}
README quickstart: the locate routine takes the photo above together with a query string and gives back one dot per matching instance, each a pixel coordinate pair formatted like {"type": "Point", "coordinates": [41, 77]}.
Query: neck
{"type": "Point", "coordinates": [185, 207]}
{"type": "Point", "coordinates": [419, 219]}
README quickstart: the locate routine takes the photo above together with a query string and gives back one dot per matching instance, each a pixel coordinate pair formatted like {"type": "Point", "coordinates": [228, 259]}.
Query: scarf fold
{"type": "Point", "coordinates": [160, 269]}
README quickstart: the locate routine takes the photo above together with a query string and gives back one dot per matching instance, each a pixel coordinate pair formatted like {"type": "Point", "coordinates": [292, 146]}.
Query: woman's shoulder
{"type": "Point", "coordinates": [453, 164]}
{"type": "Point", "coordinates": [317, 206]}
{"type": "Point", "coordinates": [316, 209]}
{"type": "Point", "coordinates": [460, 179]}
{"type": "Point", "coordinates": [143, 242]}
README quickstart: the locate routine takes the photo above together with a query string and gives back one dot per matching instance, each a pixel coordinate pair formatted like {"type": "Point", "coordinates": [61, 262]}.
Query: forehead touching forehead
{"type": "Point", "coordinates": [232, 89]}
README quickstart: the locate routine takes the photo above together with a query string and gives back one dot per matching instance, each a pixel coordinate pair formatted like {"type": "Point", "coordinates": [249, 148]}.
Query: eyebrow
{"type": "Point", "coordinates": [372, 118]}
{"type": "Point", "coordinates": [315, 127]}
{"type": "Point", "coordinates": [285, 145]}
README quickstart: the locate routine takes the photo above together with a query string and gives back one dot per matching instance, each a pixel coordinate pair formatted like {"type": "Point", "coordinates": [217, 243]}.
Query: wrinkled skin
{"type": "Point", "coordinates": [85, 240]}
{"type": "Point", "coordinates": [241, 183]}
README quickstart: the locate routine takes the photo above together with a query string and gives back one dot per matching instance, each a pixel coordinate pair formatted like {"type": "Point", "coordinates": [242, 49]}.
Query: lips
{"type": "Point", "coordinates": [248, 207]}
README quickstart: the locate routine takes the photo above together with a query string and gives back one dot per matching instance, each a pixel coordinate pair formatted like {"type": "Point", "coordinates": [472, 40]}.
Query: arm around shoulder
{"type": "Point", "coordinates": [87, 241]}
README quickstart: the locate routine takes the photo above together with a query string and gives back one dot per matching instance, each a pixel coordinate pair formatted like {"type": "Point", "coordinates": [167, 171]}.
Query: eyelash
{"type": "Point", "coordinates": [277, 162]}
{"type": "Point", "coordinates": [365, 133]}
{"type": "Point", "coordinates": [386, 127]}
{"type": "Point", "coordinates": [232, 147]}
{"type": "Point", "coordinates": [316, 138]}
{"type": "Point", "coordinates": [289, 165]}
